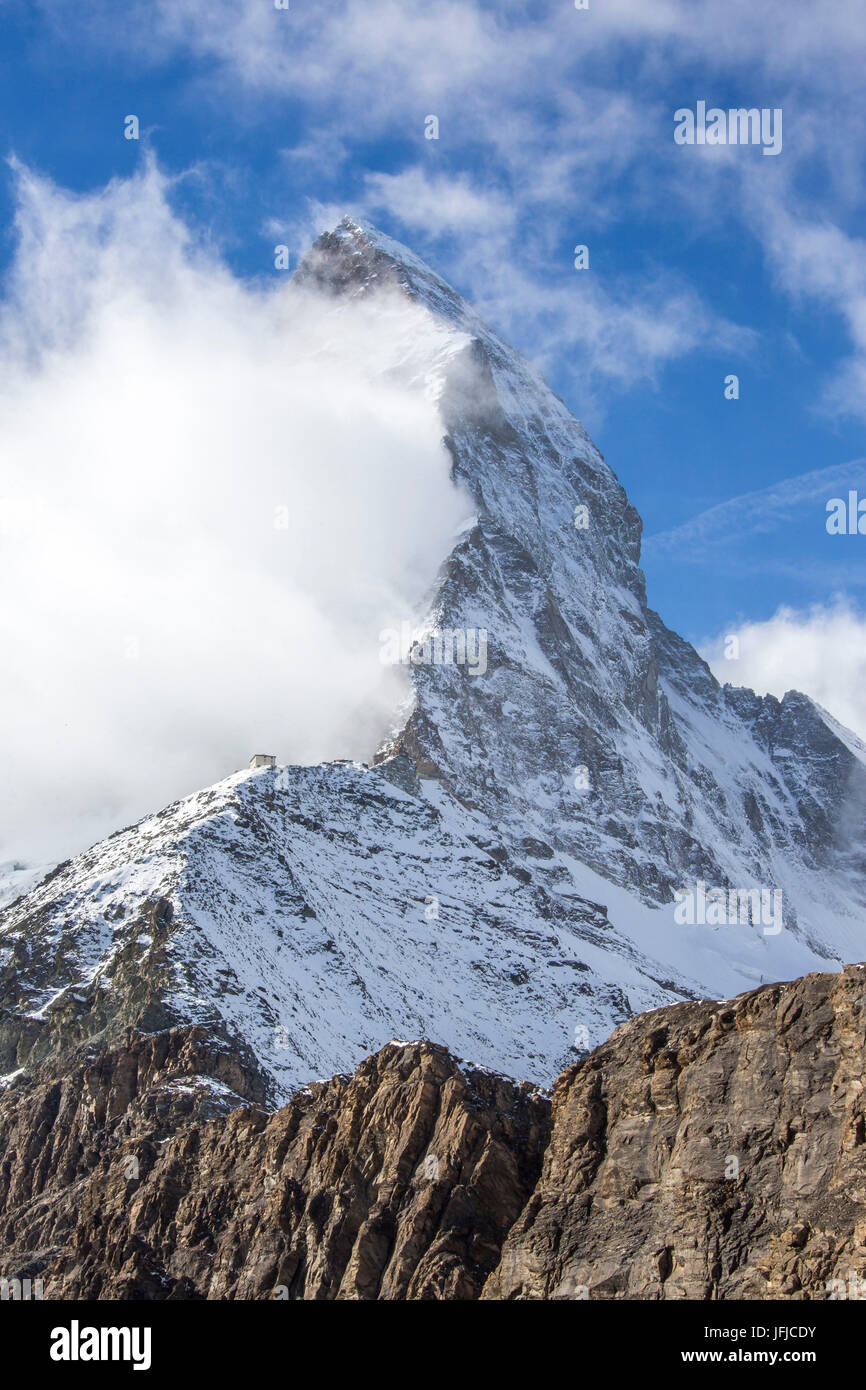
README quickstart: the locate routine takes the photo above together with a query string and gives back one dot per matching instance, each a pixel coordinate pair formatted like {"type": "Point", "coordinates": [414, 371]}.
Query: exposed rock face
{"type": "Point", "coordinates": [707, 1151]}
{"type": "Point", "coordinates": [399, 1182]}
{"type": "Point", "coordinates": [422, 1178]}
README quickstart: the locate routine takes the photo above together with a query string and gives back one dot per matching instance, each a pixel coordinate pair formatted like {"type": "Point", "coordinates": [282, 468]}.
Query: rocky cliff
{"type": "Point", "coordinates": [705, 1151]}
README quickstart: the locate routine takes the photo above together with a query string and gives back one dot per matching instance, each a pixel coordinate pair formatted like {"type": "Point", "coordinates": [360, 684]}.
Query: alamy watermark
{"type": "Point", "coordinates": [854, 1289]}
{"type": "Point", "coordinates": [437, 647]}
{"type": "Point", "coordinates": [738, 126]}
{"type": "Point", "coordinates": [77, 1343]}
{"type": "Point", "coordinates": [729, 907]}
{"type": "Point", "coordinates": [846, 518]}
{"type": "Point", "coordinates": [21, 1290]}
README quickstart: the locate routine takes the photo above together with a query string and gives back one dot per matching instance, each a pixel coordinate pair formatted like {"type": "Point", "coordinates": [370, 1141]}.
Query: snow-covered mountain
{"type": "Point", "coordinates": [502, 876]}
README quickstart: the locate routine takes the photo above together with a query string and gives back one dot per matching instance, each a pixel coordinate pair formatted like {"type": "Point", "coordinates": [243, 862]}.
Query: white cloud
{"type": "Point", "coordinates": [820, 651]}
{"type": "Point", "coordinates": [158, 625]}
{"type": "Point", "coordinates": [438, 204]}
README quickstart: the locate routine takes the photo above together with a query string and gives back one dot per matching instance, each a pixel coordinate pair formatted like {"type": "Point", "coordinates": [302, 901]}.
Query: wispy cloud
{"type": "Point", "coordinates": [722, 532]}
{"type": "Point", "coordinates": [816, 261]}
{"type": "Point", "coordinates": [439, 204]}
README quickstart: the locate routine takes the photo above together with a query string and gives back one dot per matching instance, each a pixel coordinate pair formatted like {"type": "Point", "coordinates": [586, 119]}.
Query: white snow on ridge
{"type": "Point", "coordinates": [301, 924]}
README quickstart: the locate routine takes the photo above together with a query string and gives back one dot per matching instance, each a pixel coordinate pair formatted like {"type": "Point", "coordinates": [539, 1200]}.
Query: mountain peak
{"type": "Point", "coordinates": [356, 258]}
{"type": "Point", "coordinates": [503, 879]}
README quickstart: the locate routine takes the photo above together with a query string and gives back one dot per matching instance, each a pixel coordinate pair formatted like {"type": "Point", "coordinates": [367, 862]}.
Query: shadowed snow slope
{"type": "Point", "coordinates": [502, 877]}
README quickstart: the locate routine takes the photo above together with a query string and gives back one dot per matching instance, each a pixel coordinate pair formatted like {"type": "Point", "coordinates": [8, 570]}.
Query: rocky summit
{"type": "Point", "coordinates": [572, 824]}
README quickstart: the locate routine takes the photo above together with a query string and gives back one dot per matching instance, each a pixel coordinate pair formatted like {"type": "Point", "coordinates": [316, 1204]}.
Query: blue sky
{"type": "Point", "coordinates": [555, 128]}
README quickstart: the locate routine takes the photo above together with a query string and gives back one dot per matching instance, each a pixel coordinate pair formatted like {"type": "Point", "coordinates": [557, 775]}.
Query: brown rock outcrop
{"type": "Point", "coordinates": [706, 1151]}
{"type": "Point", "coordinates": [399, 1182]}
